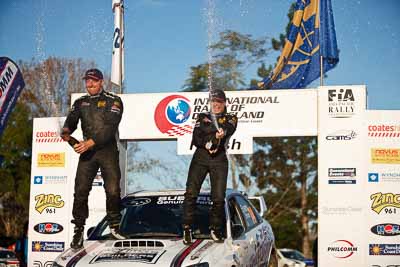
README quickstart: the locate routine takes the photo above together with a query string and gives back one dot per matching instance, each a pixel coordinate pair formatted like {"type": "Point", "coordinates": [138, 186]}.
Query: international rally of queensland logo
{"type": "Point", "coordinates": [172, 114]}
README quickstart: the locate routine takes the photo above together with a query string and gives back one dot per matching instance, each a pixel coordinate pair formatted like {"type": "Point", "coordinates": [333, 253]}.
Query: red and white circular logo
{"type": "Point", "coordinates": [172, 114]}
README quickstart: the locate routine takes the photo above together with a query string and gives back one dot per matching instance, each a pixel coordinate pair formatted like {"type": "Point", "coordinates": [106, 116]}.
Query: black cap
{"type": "Point", "coordinates": [93, 74]}
{"type": "Point", "coordinates": [217, 95]}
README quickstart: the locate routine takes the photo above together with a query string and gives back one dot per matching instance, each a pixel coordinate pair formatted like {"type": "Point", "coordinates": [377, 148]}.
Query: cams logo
{"type": "Point", "coordinates": [384, 130]}
{"type": "Point", "coordinates": [48, 228]}
{"type": "Point", "coordinates": [48, 137]}
{"type": "Point", "coordinates": [171, 115]}
{"type": "Point", "coordinates": [386, 229]}
{"type": "Point", "coordinates": [388, 201]}
{"type": "Point", "coordinates": [342, 135]}
{"type": "Point", "coordinates": [342, 175]}
{"type": "Point", "coordinates": [47, 246]}
{"type": "Point", "coordinates": [341, 103]}
{"type": "Point", "coordinates": [342, 249]}
{"type": "Point", "coordinates": [51, 159]}
{"type": "Point", "coordinates": [48, 202]}
{"type": "Point", "coordinates": [384, 249]}
{"type": "Point", "coordinates": [385, 155]}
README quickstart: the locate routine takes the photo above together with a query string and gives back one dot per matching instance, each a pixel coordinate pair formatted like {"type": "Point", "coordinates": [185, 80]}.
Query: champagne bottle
{"type": "Point", "coordinates": [72, 141]}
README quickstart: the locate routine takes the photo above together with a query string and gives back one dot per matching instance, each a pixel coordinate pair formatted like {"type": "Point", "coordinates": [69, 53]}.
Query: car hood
{"type": "Point", "coordinates": [139, 251]}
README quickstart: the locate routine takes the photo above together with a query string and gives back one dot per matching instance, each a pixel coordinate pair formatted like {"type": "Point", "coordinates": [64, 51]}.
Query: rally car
{"type": "Point", "coordinates": [152, 225]}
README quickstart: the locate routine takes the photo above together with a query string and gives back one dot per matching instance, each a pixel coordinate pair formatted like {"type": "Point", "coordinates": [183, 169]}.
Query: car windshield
{"type": "Point", "coordinates": [158, 216]}
{"type": "Point", "coordinates": [6, 254]}
{"type": "Point", "coordinates": [293, 254]}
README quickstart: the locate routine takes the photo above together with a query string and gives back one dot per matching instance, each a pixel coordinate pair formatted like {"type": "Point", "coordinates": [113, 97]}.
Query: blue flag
{"type": "Point", "coordinates": [311, 35]}
{"type": "Point", "coordinates": [11, 85]}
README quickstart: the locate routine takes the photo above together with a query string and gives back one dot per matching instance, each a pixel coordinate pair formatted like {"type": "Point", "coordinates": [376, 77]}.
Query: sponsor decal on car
{"type": "Point", "coordinates": [201, 200]}
{"type": "Point", "coordinates": [384, 249]}
{"type": "Point", "coordinates": [388, 201]}
{"type": "Point", "coordinates": [128, 255]}
{"type": "Point", "coordinates": [386, 229]}
{"type": "Point", "coordinates": [342, 249]}
{"type": "Point", "coordinates": [48, 201]}
{"type": "Point", "coordinates": [56, 159]}
{"type": "Point", "coordinates": [48, 228]}
{"type": "Point", "coordinates": [47, 246]}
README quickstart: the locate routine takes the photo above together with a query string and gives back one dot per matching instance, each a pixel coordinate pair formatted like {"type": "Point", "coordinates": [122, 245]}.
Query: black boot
{"type": "Point", "coordinates": [187, 235]}
{"type": "Point", "coordinates": [77, 239]}
{"type": "Point", "coordinates": [217, 235]}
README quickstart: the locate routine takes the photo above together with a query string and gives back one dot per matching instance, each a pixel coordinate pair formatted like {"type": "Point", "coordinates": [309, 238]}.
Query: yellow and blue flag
{"type": "Point", "coordinates": [311, 35]}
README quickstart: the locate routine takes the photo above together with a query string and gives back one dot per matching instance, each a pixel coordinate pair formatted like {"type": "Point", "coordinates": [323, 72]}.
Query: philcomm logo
{"type": "Point", "coordinates": [385, 155]}
{"type": "Point", "coordinates": [342, 249]}
{"type": "Point", "coordinates": [47, 246]}
{"type": "Point", "coordinates": [47, 137]}
{"type": "Point", "coordinates": [341, 103]}
{"type": "Point", "coordinates": [48, 202]}
{"type": "Point", "coordinates": [56, 159]}
{"type": "Point", "coordinates": [48, 228]}
{"type": "Point", "coordinates": [382, 201]}
{"type": "Point", "coordinates": [384, 249]}
{"type": "Point", "coordinates": [386, 229]}
{"type": "Point", "coordinates": [342, 135]}
{"type": "Point", "coordinates": [342, 175]}
{"type": "Point", "coordinates": [171, 115]}
{"type": "Point", "coordinates": [384, 130]}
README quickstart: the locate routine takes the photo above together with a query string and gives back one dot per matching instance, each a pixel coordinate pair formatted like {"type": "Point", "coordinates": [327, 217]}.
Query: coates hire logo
{"type": "Point", "coordinates": [342, 135]}
{"type": "Point", "coordinates": [386, 229]}
{"type": "Point", "coordinates": [341, 103]}
{"type": "Point", "coordinates": [47, 246]}
{"type": "Point", "coordinates": [171, 115]}
{"type": "Point", "coordinates": [384, 130]}
{"type": "Point", "coordinates": [47, 137]}
{"type": "Point", "coordinates": [385, 201]}
{"type": "Point", "coordinates": [342, 249]}
{"type": "Point", "coordinates": [384, 249]}
{"type": "Point", "coordinates": [48, 228]}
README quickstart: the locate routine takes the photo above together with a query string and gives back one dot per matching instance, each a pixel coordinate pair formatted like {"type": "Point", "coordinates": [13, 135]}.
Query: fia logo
{"type": "Point", "coordinates": [343, 95]}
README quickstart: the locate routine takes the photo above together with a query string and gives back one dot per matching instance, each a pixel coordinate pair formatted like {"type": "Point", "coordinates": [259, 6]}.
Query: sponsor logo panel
{"type": "Point", "coordinates": [374, 177]}
{"type": "Point", "coordinates": [56, 159]}
{"type": "Point", "coordinates": [386, 229]}
{"type": "Point", "coordinates": [342, 249]}
{"type": "Point", "coordinates": [341, 103]}
{"type": "Point", "coordinates": [384, 249]}
{"type": "Point", "coordinates": [48, 137]}
{"type": "Point", "coordinates": [385, 155]}
{"type": "Point", "coordinates": [388, 202]}
{"type": "Point", "coordinates": [47, 246]}
{"type": "Point", "coordinates": [50, 179]}
{"type": "Point", "coordinates": [48, 228]}
{"type": "Point", "coordinates": [342, 175]}
{"type": "Point", "coordinates": [341, 135]}
{"type": "Point", "coordinates": [341, 210]}
{"type": "Point", "coordinates": [384, 130]}
{"type": "Point", "coordinates": [48, 202]}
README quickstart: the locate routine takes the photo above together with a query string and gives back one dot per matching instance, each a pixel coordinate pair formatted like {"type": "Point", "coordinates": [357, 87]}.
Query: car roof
{"type": "Point", "coordinates": [168, 192]}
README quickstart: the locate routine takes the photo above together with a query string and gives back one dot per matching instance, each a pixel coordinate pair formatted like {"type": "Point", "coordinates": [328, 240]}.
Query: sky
{"type": "Point", "coordinates": [164, 38]}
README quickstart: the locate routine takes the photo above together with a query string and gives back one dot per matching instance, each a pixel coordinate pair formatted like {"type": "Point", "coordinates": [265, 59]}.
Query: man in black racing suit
{"type": "Point", "coordinates": [210, 136]}
{"type": "Point", "coordinates": [100, 113]}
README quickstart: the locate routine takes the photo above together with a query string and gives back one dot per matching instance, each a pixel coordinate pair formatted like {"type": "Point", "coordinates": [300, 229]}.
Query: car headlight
{"type": "Point", "coordinates": [203, 264]}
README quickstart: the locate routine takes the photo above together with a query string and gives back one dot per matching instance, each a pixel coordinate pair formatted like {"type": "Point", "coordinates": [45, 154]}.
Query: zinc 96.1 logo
{"type": "Point", "coordinates": [171, 115]}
